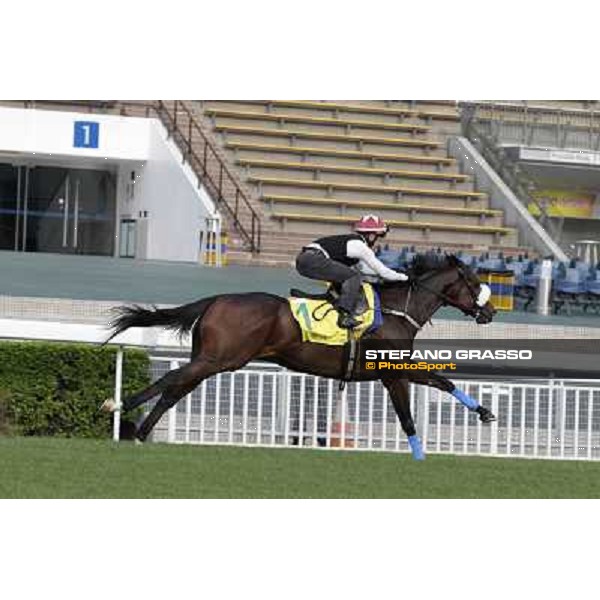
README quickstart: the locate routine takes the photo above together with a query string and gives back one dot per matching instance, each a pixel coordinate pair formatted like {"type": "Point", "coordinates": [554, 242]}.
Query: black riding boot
{"type": "Point", "coordinates": [346, 320]}
{"type": "Point", "coordinates": [350, 290]}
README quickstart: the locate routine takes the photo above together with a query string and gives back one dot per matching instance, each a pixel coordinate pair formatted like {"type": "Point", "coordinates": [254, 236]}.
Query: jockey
{"type": "Point", "coordinates": [331, 259]}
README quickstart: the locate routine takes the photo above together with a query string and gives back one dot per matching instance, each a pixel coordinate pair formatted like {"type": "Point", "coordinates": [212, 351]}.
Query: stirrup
{"type": "Point", "coordinates": [347, 321]}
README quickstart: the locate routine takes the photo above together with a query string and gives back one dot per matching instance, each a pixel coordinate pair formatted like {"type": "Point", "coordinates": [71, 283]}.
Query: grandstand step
{"type": "Point", "coordinates": [266, 183]}
{"type": "Point", "coordinates": [411, 230]}
{"type": "Point", "coordinates": [239, 117]}
{"type": "Point", "coordinates": [290, 243]}
{"type": "Point", "coordinates": [314, 167]}
{"type": "Point", "coordinates": [396, 223]}
{"type": "Point", "coordinates": [369, 143]}
{"type": "Point", "coordinates": [337, 107]}
{"type": "Point", "coordinates": [450, 105]}
{"type": "Point", "coordinates": [448, 122]}
{"type": "Point", "coordinates": [375, 205]}
{"type": "Point", "coordinates": [335, 156]}
{"type": "Point", "coordinates": [387, 210]}
{"type": "Point", "coordinates": [355, 178]}
{"type": "Point", "coordinates": [266, 259]}
{"type": "Point", "coordinates": [536, 114]}
{"type": "Point", "coordinates": [452, 222]}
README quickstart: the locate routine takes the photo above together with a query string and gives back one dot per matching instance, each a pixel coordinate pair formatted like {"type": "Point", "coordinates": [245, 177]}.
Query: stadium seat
{"type": "Point", "coordinates": [572, 282]}
{"type": "Point", "coordinates": [426, 144]}
{"type": "Point", "coordinates": [437, 161]}
{"type": "Point", "coordinates": [374, 206]}
{"type": "Point", "coordinates": [364, 109]}
{"type": "Point", "coordinates": [363, 187]}
{"type": "Point", "coordinates": [352, 170]}
{"type": "Point", "coordinates": [394, 223]}
{"type": "Point", "coordinates": [324, 121]}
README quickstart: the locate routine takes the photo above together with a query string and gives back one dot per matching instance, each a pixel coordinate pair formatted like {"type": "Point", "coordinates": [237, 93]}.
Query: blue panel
{"type": "Point", "coordinates": [86, 134]}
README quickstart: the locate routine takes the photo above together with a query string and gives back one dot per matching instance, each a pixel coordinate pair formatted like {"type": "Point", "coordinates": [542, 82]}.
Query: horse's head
{"type": "Point", "coordinates": [454, 283]}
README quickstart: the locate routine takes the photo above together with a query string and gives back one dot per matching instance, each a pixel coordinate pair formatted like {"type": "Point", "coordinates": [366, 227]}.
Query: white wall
{"type": "Point", "coordinates": [167, 190]}
{"type": "Point", "coordinates": [52, 132]}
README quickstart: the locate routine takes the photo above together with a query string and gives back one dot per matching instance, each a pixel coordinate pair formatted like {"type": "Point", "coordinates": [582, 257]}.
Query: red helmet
{"type": "Point", "coordinates": [370, 224]}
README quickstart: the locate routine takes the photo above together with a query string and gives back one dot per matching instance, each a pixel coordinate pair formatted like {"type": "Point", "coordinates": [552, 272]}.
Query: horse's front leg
{"type": "Point", "coordinates": [399, 394]}
{"type": "Point", "coordinates": [445, 385]}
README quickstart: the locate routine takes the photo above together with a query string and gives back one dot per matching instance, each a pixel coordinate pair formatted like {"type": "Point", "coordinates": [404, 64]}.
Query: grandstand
{"type": "Point", "coordinates": [315, 166]}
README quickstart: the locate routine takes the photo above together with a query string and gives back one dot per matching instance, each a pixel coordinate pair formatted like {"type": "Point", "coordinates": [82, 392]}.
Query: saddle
{"type": "Point", "coordinates": [316, 316]}
{"type": "Point", "coordinates": [332, 295]}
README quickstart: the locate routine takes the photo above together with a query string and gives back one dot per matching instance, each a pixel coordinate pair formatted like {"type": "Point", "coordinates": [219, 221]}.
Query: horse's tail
{"type": "Point", "coordinates": [180, 319]}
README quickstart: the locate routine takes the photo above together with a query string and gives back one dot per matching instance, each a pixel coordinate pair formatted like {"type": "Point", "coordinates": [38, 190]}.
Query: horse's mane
{"type": "Point", "coordinates": [424, 263]}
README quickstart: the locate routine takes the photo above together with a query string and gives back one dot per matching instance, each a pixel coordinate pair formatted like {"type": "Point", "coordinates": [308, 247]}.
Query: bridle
{"type": "Point", "coordinates": [477, 310]}
{"type": "Point", "coordinates": [479, 299]}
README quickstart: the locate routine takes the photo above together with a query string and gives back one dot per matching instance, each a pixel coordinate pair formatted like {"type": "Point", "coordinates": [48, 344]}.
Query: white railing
{"type": "Point", "coordinates": [269, 406]}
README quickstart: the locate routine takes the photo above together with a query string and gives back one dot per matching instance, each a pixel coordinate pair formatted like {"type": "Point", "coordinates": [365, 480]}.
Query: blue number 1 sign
{"type": "Point", "coordinates": [86, 134]}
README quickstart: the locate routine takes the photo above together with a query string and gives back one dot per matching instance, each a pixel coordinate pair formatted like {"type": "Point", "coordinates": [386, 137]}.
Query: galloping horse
{"type": "Point", "coordinates": [229, 330]}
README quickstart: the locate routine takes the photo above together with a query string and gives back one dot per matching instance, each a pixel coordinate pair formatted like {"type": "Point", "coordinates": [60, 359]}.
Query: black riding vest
{"type": "Point", "coordinates": [335, 246]}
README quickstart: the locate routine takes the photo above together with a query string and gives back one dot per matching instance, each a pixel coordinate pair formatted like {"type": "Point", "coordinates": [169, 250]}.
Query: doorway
{"type": "Point", "coordinates": [57, 209]}
{"type": "Point", "coordinates": [127, 237]}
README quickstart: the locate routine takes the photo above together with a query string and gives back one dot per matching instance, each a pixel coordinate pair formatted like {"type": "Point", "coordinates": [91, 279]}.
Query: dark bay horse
{"type": "Point", "coordinates": [230, 330]}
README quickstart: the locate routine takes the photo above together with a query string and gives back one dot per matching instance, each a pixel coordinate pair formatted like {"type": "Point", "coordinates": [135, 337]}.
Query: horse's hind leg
{"type": "Point", "coordinates": [181, 383]}
{"type": "Point", "coordinates": [152, 390]}
{"type": "Point", "coordinates": [159, 386]}
{"type": "Point", "coordinates": [146, 394]}
{"type": "Point", "coordinates": [400, 397]}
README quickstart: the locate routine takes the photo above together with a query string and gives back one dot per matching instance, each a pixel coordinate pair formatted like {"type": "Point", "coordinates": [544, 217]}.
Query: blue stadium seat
{"type": "Point", "coordinates": [592, 286]}
{"type": "Point", "coordinates": [390, 258]}
{"type": "Point", "coordinates": [531, 274]}
{"type": "Point", "coordinates": [573, 282]}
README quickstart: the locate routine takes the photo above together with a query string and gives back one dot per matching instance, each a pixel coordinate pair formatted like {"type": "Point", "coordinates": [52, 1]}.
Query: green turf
{"type": "Point", "coordinates": [61, 468]}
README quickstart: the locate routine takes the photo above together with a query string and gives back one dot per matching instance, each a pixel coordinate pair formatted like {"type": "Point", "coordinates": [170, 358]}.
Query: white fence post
{"type": "Point", "coordinates": [560, 417]}
{"type": "Point", "coordinates": [117, 398]}
{"type": "Point", "coordinates": [172, 413]}
{"type": "Point", "coordinates": [284, 409]}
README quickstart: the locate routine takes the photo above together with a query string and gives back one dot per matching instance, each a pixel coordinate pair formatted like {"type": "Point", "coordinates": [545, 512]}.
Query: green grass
{"type": "Point", "coordinates": [68, 468]}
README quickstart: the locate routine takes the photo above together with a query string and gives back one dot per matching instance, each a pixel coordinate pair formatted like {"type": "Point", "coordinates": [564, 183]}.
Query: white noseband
{"type": "Point", "coordinates": [484, 295]}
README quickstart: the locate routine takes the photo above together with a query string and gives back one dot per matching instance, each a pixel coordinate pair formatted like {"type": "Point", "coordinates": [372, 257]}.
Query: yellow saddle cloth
{"type": "Point", "coordinates": [318, 319]}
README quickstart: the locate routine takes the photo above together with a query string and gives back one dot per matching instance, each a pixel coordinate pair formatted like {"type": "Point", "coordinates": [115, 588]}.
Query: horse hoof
{"type": "Point", "coordinates": [138, 442]}
{"type": "Point", "coordinates": [485, 415]}
{"type": "Point", "coordinates": [416, 448]}
{"type": "Point", "coordinates": [108, 406]}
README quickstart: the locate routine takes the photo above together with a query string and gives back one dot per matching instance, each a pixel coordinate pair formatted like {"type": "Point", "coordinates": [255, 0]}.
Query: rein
{"type": "Point", "coordinates": [415, 283]}
{"type": "Point", "coordinates": [404, 313]}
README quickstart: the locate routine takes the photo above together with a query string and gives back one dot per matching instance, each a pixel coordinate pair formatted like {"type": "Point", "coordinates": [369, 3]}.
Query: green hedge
{"type": "Point", "coordinates": [50, 388]}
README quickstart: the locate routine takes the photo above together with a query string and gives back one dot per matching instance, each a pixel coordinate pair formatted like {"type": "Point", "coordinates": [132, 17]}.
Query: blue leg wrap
{"type": "Point", "coordinates": [416, 448]}
{"type": "Point", "coordinates": [465, 399]}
